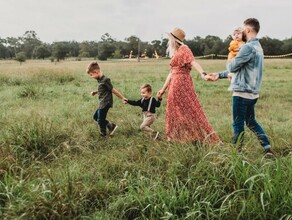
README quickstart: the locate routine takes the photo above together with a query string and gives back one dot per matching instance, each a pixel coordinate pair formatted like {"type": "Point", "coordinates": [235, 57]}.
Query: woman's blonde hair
{"type": "Point", "coordinates": [172, 46]}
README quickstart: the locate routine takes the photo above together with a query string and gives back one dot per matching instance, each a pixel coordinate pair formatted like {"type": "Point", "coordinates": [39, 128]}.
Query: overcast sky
{"type": "Point", "coordinates": [81, 20]}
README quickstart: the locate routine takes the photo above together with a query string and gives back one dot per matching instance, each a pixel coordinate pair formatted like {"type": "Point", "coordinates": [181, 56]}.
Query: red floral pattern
{"type": "Point", "coordinates": [185, 119]}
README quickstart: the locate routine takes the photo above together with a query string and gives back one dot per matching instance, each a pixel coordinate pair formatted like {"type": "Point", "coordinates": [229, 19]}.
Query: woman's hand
{"type": "Point", "coordinates": [203, 75]}
{"type": "Point", "coordinates": [160, 93]}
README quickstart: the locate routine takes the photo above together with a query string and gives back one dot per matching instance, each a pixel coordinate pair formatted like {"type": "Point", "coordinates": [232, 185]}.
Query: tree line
{"type": "Point", "coordinates": [29, 46]}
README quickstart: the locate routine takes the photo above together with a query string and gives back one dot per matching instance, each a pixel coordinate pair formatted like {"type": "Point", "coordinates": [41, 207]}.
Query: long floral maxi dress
{"type": "Point", "coordinates": [185, 119]}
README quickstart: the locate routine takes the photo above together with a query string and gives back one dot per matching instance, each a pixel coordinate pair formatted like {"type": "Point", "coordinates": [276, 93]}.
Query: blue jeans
{"type": "Point", "coordinates": [243, 111]}
{"type": "Point", "coordinates": [100, 117]}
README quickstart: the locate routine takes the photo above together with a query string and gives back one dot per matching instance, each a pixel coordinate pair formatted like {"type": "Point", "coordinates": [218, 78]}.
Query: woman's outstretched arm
{"type": "Point", "coordinates": [162, 91]}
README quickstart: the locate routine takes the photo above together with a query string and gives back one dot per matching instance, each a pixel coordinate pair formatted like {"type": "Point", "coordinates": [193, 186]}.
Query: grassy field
{"type": "Point", "coordinates": [54, 165]}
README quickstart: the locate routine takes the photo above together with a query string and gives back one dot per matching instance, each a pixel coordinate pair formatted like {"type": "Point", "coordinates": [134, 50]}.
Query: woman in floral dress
{"type": "Point", "coordinates": [185, 118]}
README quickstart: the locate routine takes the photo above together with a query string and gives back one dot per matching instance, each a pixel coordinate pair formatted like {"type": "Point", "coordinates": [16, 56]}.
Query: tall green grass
{"type": "Point", "coordinates": [53, 165]}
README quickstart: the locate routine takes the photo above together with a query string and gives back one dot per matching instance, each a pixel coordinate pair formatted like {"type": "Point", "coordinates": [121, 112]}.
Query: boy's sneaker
{"type": "Point", "coordinates": [268, 152]}
{"type": "Point", "coordinates": [102, 135]}
{"type": "Point", "coordinates": [156, 136]}
{"type": "Point", "coordinates": [112, 128]}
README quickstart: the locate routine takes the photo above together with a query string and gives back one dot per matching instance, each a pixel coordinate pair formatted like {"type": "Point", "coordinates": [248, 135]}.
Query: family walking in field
{"type": "Point", "coordinates": [185, 118]}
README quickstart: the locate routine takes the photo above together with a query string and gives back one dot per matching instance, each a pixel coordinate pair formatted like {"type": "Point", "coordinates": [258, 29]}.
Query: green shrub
{"type": "Point", "coordinates": [31, 92]}
{"type": "Point", "coordinates": [35, 138]}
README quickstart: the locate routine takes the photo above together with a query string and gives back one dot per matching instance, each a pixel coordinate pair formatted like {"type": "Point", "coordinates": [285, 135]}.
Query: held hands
{"type": "Point", "coordinates": [230, 75]}
{"type": "Point", "coordinates": [212, 77]}
{"type": "Point", "coordinates": [203, 75]}
{"type": "Point", "coordinates": [93, 93]}
{"type": "Point", "coordinates": [160, 94]}
{"type": "Point", "coordinates": [125, 100]}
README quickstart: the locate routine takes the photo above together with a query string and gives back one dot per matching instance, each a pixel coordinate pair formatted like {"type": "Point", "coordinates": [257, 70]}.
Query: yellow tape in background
{"type": "Point", "coordinates": [266, 56]}
{"type": "Point", "coordinates": [204, 56]}
{"type": "Point", "coordinates": [279, 56]}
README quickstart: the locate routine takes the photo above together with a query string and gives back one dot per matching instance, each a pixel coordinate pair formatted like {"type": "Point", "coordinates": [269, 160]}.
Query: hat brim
{"type": "Point", "coordinates": [174, 37]}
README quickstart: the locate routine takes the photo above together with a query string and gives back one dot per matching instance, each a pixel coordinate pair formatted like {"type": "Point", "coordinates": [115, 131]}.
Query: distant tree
{"type": "Point", "coordinates": [107, 38]}
{"type": "Point", "coordinates": [84, 54]}
{"type": "Point", "coordinates": [218, 45]}
{"type": "Point", "coordinates": [20, 57]}
{"type": "Point", "coordinates": [271, 46]}
{"type": "Point", "coordinates": [30, 42]}
{"type": "Point", "coordinates": [105, 50]}
{"type": "Point", "coordinates": [158, 47]}
{"type": "Point", "coordinates": [106, 47]}
{"type": "Point", "coordinates": [150, 51]}
{"type": "Point", "coordinates": [88, 47]}
{"type": "Point", "coordinates": [93, 49]}
{"type": "Point", "coordinates": [117, 54]}
{"type": "Point", "coordinates": [211, 44]}
{"type": "Point", "coordinates": [144, 47]}
{"type": "Point", "coordinates": [164, 45]}
{"type": "Point", "coordinates": [196, 46]}
{"type": "Point", "coordinates": [60, 50]}
{"type": "Point", "coordinates": [3, 49]}
{"type": "Point", "coordinates": [73, 48]}
{"type": "Point", "coordinates": [3, 52]}
{"type": "Point", "coordinates": [42, 52]}
{"type": "Point", "coordinates": [123, 48]}
{"type": "Point", "coordinates": [133, 44]}
{"type": "Point", "coordinates": [2, 41]}
{"type": "Point", "coordinates": [13, 45]}
{"type": "Point", "coordinates": [287, 46]}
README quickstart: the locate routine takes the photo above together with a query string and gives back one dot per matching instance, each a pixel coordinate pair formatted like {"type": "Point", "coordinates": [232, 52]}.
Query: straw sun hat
{"type": "Point", "coordinates": [178, 34]}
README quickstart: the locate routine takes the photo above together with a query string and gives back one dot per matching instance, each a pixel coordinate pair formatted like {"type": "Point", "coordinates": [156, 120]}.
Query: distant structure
{"type": "Point", "coordinates": [130, 56]}
{"type": "Point", "coordinates": [155, 54]}
{"type": "Point", "coordinates": [144, 54]}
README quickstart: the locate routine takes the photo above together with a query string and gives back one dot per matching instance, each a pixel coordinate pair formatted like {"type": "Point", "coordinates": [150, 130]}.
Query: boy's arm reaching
{"type": "Point", "coordinates": [117, 93]}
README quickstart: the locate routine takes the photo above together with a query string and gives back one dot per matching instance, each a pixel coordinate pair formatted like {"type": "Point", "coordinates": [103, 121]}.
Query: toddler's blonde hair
{"type": "Point", "coordinates": [238, 29]}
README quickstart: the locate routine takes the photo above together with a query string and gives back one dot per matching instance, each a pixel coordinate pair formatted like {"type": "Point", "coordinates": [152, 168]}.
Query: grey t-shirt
{"type": "Point", "coordinates": [104, 92]}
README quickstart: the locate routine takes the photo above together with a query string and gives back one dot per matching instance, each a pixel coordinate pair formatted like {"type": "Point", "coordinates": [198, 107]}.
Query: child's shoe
{"type": "Point", "coordinates": [103, 135]}
{"type": "Point", "coordinates": [156, 136]}
{"type": "Point", "coordinates": [269, 153]}
{"type": "Point", "coordinates": [112, 128]}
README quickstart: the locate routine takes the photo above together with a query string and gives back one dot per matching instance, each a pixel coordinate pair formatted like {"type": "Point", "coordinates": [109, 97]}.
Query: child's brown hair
{"type": "Point", "coordinates": [92, 66]}
{"type": "Point", "coordinates": [147, 86]}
